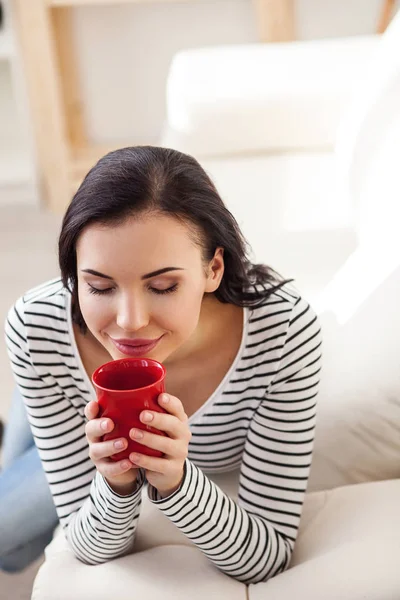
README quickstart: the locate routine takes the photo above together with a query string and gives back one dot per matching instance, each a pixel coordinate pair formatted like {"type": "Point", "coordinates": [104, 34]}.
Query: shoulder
{"type": "Point", "coordinates": [279, 306]}
{"type": "Point", "coordinates": [285, 332]}
{"type": "Point", "coordinates": [43, 302]}
{"type": "Point", "coordinates": [284, 315]}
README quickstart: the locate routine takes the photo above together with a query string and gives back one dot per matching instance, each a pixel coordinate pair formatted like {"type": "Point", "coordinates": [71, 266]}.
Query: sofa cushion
{"type": "Point", "coordinates": [232, 99]}
{"type": "Point", "coordinates": [358, 425]}
{"type": "Point", "coordinates": [348, 547]}
{"type": "Point", "coordinates": [170, 572]}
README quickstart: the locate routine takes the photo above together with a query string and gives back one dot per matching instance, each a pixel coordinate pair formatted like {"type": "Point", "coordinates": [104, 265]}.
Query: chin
{"type": "Point", "coordinates": [158, 356]}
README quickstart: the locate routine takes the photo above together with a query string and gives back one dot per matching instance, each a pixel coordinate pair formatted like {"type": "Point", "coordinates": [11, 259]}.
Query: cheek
{"type": "Point", "coordinates": [95, 318]}
{"type": "Point", "coordinates": [183, 316]}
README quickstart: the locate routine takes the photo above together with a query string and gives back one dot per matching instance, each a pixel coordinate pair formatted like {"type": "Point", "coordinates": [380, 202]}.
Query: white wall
{"type": "Point", "coordinates": [124, 51]}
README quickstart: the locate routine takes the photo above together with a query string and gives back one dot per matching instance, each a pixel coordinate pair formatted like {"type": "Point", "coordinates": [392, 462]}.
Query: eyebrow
{"type": "Point", "coordinates": [147, 276]}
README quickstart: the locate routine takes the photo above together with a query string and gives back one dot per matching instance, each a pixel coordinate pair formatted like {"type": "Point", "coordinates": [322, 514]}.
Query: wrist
{"type": "Point", "coordinates": [122, 489]}
{"type": "Point", "coordinates": [166, 493]}
{"type": "Point", "coordinates": [171, 490]}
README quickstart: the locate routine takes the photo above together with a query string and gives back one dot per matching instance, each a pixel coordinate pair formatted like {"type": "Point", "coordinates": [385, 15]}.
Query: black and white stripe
{"type": "Point", "coordinates": [261, 419]}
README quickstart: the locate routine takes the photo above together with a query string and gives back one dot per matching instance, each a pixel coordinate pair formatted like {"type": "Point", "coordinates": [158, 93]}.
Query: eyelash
{"type": "Point", "coordinates": [98, 292]}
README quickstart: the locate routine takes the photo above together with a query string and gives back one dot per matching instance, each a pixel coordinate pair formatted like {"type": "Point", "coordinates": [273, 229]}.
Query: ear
{"type": "Point", "coordinates": [215, 271]}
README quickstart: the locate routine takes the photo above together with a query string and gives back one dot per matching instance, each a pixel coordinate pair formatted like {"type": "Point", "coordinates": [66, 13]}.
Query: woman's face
{"type": "Point", "coordinates": [141, 285]}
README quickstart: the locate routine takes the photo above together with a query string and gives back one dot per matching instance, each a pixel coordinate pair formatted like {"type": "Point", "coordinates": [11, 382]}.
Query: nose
{"type": "Point", "coordinates": [133, 314]}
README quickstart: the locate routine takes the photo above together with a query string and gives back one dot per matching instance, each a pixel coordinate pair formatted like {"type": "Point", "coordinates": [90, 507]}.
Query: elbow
{"type": "Point", "coordinates": [265, 570]}
{"type": "Point", "coordinates": [92, 557]}
{"type": "Point", "coordinates": [94, 550]}
{"type": "Point", "coordinates": [87, 560]}
{"type": "Point", "coordinates": [86, 557]}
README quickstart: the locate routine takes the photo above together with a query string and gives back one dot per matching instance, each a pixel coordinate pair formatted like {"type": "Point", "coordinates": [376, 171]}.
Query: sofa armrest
{"type": "Point", "coordinates": [257, 97]}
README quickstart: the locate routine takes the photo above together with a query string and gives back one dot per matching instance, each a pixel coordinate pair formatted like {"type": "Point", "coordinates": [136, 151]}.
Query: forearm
{"type": "Point", "coordinates": [99, 523]}
{"type": "Point", "coordinates": [241, 545]}
{"type": "Point", "coordinates": [104, 527]}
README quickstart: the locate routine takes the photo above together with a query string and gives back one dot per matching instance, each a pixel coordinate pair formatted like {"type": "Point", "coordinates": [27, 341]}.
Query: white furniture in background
{"type": "Point", "coordinates": [271, 113]}
{"type": "Point", "coordinates": [18, 181]}
{"type": "Point", "coordinates": [348, 545]}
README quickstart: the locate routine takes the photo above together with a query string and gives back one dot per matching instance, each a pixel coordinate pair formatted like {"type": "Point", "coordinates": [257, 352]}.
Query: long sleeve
{"type": "Point", "coordinates": [98, 523]}
{"type": "Point", "coordinates": [252, 540]}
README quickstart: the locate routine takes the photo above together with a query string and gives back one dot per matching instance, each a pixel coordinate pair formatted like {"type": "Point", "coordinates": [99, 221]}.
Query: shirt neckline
{"type": "Point", "coordinates": [229, 372]}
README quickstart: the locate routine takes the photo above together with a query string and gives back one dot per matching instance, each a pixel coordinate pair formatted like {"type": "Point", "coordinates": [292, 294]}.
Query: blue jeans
{"type": "Point", "coordinates": [27, 513]}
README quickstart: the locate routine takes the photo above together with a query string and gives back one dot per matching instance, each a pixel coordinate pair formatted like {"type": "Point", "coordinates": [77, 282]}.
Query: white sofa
{"type": "Point", "coordinates": [337, 235]}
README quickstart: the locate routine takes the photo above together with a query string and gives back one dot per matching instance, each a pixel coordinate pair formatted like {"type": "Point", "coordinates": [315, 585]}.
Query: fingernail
{"type": "Point", "coordinates": [126, 464]}
{"type": "Point", "coordinates": [104, 425]}
{"type": "Point", "coordinates": [119, 444]}
{"type": "Point", "coordinates": [134, 457]}
{"type": "Point", "coordinates": [146, 416]}
{"type": "Point", "coordinates": [165, 398]}
{"type": "Point", "coordinates": [137, 434]}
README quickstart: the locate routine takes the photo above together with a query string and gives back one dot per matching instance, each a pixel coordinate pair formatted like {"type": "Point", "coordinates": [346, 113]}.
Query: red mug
{"type": "Point", "coordinates": [125, 388]}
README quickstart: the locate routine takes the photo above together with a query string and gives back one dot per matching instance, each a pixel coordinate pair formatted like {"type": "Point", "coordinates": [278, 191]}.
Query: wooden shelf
{"type": "Point", "coordinates": [45, 34]}
{"type": "Point", "coordinates": [44, 29]}
{"type": "Point", "coordinates": [276, 20]}
{"type": "Point", "coordinates": [18, 182]}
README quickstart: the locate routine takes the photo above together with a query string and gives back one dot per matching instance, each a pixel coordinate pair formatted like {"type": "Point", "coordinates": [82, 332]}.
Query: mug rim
{"type": "Point", "coordinates": [128, 359]}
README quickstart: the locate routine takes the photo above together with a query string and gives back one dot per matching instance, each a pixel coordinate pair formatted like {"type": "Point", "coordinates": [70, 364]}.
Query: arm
{"type": "Point", "coordinates": [98, 523]}
{"type": "Point", "coordinates": [253, 539]}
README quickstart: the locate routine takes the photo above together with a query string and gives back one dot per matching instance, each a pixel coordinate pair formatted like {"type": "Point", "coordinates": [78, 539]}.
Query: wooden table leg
{"type": "Point", "coordinates": [62, 26]}
{"type": "Point", "coordinates": [276, 20]}
{"type": "Point", "coordinates": [385, 15]}
{"type": "Point", "coordinates": [35, 36]}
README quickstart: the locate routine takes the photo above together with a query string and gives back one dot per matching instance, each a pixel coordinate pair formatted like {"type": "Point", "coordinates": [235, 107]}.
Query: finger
{"type": "Point", "coordinates": [110, 469]}
{"type": "Point", "coordinates": [172, 426]}
{"type": "Point", "coordinates": [96, 428]}
{"type": "Point", "coordinates": [91, 409]}
{"type": "Point", "coordinates": [99, 450]}
{"type": "Point", "coordinates": [167, 446]}
{"type": "Point", "coordinates": [150, 463]}
{"type": "Point", "coordinates": [173, 406]}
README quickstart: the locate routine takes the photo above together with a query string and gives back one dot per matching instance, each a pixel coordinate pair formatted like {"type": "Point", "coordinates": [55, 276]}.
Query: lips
{"type": "Point", "coordinates": [135, 347]}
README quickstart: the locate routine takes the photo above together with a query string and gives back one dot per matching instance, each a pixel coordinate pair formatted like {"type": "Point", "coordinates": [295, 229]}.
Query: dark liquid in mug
{"type": "Point", "coordinates": [128, 380]}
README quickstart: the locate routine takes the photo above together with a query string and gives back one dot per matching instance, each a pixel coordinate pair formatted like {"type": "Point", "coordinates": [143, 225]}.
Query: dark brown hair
{"type": "Point", "coordinates": [148, 179]}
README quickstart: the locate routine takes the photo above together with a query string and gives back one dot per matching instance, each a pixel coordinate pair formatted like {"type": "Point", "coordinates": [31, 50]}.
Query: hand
{"type": "Point", "coordinates": [121, 476]}
{"type": "Point", "coordinates": [165, 473]}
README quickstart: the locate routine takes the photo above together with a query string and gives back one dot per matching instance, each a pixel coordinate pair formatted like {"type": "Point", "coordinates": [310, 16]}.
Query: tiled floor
{"type": "Point", "coordinates": [28, 256]}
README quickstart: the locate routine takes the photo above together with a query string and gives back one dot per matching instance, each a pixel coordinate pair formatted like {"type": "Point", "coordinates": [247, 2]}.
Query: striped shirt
{"type": "Point", "coordinates": [260, 420]}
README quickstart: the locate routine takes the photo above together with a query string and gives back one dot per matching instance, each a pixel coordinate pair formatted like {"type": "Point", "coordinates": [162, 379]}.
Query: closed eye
{"type": "Point", "coordinates": [98, 292]}
{"type": "Point", "coordinates": [169, 290]}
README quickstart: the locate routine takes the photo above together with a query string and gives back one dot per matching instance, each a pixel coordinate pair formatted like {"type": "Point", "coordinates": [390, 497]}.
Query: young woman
{"type": "Point", "coordinates": [153, 264]}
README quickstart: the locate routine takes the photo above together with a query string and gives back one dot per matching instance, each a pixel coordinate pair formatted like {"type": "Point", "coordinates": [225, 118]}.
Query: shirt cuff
{"type": "Point", "coordinates": [183, 491]}
{"type": "Point", "coordinates": [109, 493]}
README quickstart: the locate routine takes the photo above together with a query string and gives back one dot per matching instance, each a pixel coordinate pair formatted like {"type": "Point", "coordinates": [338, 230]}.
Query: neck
{"type": "Point", "coordinates": [214, 317]}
